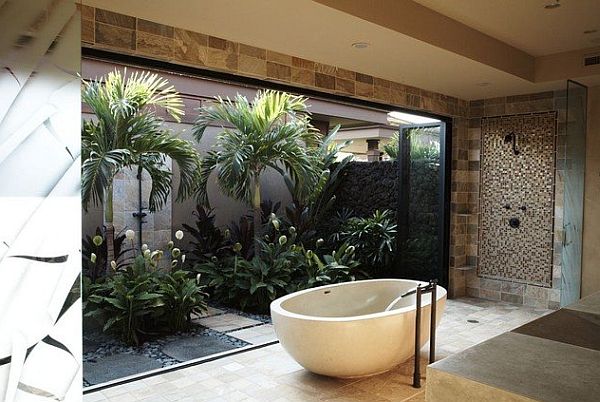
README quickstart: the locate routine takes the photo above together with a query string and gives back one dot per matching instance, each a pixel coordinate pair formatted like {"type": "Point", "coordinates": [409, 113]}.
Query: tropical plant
{"type": "Point", "coordinates": [280, 266]}
{"type": "Point", "coordinates": [423, 144]}
{"type": "Point", "coordinates": [208, 240]}
{"type": "Point", "coordinates": [392, 148]}
{"type": "Point", "coordinates": [141, 298]}
{"type": "Point", "coordinates": [98, 253]}
{"type": "Point", "coordinates": [181, 296]}
{"type": "Point", "coordinates": [127, 301]}
{"type": "Point", "coordinates": [272, 131]}
{"type": "Point", "coordinates": [374, 238]}
{"type": "Point", "coordinates": [127, 132]}
{"type": "Point", "coordinates": [311, 205]}
{"type": "Point", "coordinates": [339, 266]}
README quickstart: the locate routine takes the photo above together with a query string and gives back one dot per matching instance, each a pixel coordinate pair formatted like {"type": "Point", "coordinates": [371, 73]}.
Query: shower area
{"type": "Point", "coordinates": [531, 154]}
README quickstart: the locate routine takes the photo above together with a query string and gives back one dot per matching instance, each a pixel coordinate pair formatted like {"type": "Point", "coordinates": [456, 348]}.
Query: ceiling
{"type": "Point", "coordinates": [526, 24]}
{"type": "Point", "coordinates": [314, 31]}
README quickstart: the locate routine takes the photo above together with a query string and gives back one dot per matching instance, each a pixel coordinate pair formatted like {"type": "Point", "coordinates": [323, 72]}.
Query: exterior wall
{"type": "Point", "coordinates": [590, 281]}
{"type": "Point", "coordinates": [511, 291]}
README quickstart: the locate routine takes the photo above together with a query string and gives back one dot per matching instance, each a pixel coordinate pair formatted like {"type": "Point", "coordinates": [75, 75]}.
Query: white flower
{"type": "Point", "coordinates": [198, 279]}
{"type": "Point", "coordinates": [113, 265]}
{"type": "Point", "coordinates": [175, 252]}
{"type": "Point", "coordinates": [93, 258]}
{"type": "Point", "coordinates": [98, 240]}
{"type": "Point", "coordinates": [146, 252]}
{"type": "Point", "coordinates": [179, 235]}
{"type": "Point", "coordinates": [144, 247]}
{"type": "Point", "coordinates": [130, 234]}
{"type": "Point", "coordinates": [183, 258]}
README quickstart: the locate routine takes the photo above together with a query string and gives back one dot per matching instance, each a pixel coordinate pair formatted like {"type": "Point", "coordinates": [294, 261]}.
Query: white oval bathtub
{"type": "Point", "coordinates": [342, 330]}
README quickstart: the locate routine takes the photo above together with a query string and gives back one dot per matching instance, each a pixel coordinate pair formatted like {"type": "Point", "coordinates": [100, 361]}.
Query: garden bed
{"type": "Point", "coordinates": [220, 329]}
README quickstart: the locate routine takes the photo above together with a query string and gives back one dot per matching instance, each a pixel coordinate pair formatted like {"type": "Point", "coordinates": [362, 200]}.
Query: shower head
{"type": "Point", "coordinates": [512, 138]}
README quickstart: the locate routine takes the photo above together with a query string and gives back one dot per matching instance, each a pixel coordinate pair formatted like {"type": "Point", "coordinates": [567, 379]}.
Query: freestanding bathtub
{"type": "Point", "coordinates": [343, 331]}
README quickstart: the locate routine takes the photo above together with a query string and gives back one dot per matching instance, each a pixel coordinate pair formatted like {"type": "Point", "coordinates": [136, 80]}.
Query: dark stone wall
{"type": "Point", "coordinates": [366, 187]}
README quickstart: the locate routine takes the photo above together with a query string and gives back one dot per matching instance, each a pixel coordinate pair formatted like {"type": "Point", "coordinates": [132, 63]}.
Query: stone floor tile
{"type": "Point", "coordinates": [269, 374]}
{"type": "Point", "coordinates": [227, 322]}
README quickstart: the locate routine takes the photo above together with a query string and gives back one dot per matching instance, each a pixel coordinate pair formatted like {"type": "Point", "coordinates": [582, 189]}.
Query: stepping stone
{"type": "Point", "coordinates": [195, 347]}
{"type": "Point", "coordinates": [227, 322]}
{"type": "Point", "coordinates": [117, 366]}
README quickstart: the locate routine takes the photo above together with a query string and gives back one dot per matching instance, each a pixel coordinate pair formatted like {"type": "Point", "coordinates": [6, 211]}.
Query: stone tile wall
{"type": "Point", "coordinates": [510, 291]}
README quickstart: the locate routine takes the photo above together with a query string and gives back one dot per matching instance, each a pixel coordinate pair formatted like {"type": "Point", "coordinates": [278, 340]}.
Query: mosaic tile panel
{"type": "Point", "coordinates": [517, 186]}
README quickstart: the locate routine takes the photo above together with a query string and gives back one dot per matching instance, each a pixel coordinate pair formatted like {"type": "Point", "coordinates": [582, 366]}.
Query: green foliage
{"type": "Point", "coordinates": [392, 148]}
{"type": "Point", "coordinates": [374, 238]}
{"type": "Point", "coordinates": [311, 205]}
{"type": "Point", "coordinates": [182, 296]}
{"type": "Point", "coordinates": [281, 266]}
{"type": "Point", "coordinates": [128, 132]}
{"type": "Point", "coordinates": [208, 240]}
{"type": "Point", "coordinates": [269, 132]}
{"type": "Point", "coordinates": [128, 301]}
{"type": "Point", "coordinates": [140, 299]}
{"type": "Point", "coordinates": [338, 267]}
{"type": "Point", "coordinates": [422, 144]}
{"type": "Point", "coordinates": [95, 270]}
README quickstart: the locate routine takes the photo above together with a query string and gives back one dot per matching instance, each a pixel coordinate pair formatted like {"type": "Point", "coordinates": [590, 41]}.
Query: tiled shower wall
{"type": "Point", "coordinates": [517, 183]}
{"type": "Point", "coordinates": [507, 290]}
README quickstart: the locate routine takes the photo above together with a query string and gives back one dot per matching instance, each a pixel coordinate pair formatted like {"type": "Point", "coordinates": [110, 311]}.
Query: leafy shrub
{"type": "Point", "coordinates": [95, 270]}
{"type": "Point", "coordinates": [374, 238]}
{"type": "Point", "coordinates": [208, 240]}
{"type": "Point", "coordinates": [181, 296]}
{"type": "Point", "coordinates": [128, 301]}
{"type": "Point", "coordinates": [140, 299]}
{"type": "Point", "coordinates": [281, 266]}
{"type": "Point", "coordinates": [338, 267]}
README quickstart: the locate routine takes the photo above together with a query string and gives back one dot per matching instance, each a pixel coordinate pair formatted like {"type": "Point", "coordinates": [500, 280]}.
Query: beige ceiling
{"type": "Point", "coordinates": [526, 24]}
{"type": "Point", "coordinates": [315, 31]}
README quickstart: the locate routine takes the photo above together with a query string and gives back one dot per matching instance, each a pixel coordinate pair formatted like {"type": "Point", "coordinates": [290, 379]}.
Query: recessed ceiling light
{"type": "Point", "coordinates": [590, 31]}
{"type": "Point", "coordinates": [360, 45]}
{"type": "Point", "coordinates": [552, 5]}
{"type": "Point", "coordinates": [483, 84]}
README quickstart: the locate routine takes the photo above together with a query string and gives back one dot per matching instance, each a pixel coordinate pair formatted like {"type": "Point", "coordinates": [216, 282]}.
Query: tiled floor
{"type": "Point", "coordinates": [269, 374]}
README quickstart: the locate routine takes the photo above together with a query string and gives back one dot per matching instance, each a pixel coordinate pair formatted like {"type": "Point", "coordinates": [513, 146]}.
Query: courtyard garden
{"type": "Point", "coordinates": [209, 288]}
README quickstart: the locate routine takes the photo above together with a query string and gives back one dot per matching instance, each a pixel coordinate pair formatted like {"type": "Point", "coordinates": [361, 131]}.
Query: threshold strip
{"type": "Point", "coordinates": [175, 367]}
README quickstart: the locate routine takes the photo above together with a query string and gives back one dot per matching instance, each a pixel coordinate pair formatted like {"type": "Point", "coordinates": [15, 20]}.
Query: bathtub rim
{"type": "Point", "coordinates": [276, 307]}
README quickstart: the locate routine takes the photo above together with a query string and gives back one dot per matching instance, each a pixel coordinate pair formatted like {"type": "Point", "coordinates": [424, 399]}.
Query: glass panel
{"type": "Point", "coordinates": [421, 210]}
{"type": "Point", "coordinates": [573, 177]}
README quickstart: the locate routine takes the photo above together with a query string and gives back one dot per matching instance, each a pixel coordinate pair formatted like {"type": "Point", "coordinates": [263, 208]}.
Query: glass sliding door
{"type": "Point", "coordinates": [422, 210]}
{"type": "Point", "coordinates": [573, 178]}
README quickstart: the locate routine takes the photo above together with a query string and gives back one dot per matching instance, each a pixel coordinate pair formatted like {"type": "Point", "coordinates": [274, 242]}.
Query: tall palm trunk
{"type": "Point", "coordinates": [256, 212]}
{"type": "Point", "coordinates": [110, 228]}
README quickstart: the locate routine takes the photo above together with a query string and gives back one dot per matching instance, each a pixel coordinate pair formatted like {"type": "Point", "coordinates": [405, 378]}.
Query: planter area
{"type": "Point", "coordinates": [218, 330]}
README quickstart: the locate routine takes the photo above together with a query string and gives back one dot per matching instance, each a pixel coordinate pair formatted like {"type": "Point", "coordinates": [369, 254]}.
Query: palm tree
{"type": "Point", "coordinates": [127, 132]}
{"type": "Point", "coordinates": [272, 131]}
